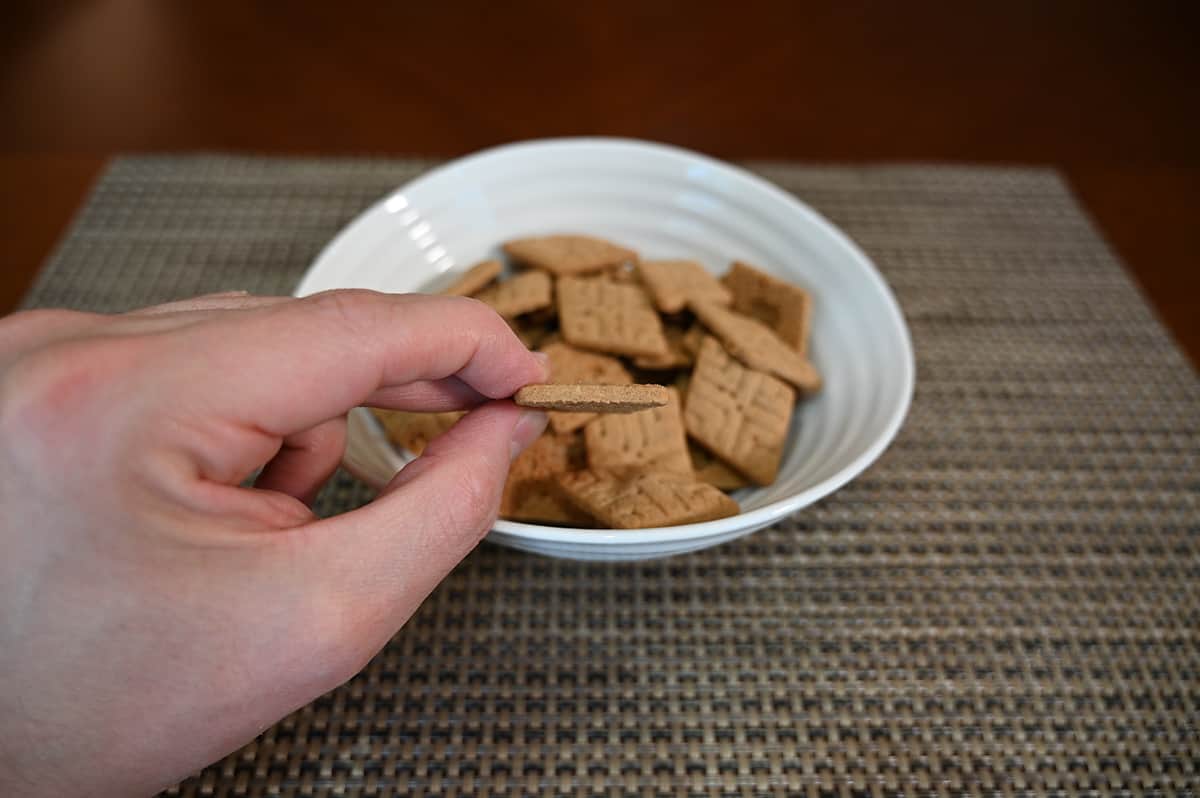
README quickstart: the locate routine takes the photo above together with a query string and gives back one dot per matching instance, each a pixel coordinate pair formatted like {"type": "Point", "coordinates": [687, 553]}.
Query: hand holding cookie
{"type": "Point", "coordinates": [135, 554]}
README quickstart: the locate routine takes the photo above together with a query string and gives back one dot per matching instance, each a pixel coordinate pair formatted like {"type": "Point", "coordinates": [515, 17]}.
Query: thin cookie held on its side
{"type": "Point", "coordinates": [568, 366]}
{"type": "Point", "coordinates": [592, 398]}
{"type": "Point", "coordinates": [644, 499]}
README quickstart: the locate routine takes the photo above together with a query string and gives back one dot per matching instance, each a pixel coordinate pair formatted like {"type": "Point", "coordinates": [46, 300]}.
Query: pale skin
{"type": "Point", "coordinates": [154, 614]}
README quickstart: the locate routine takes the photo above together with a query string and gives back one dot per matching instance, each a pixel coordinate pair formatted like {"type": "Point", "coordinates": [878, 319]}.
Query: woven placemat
{"type": "Point", "coordinates": [1007, 603]}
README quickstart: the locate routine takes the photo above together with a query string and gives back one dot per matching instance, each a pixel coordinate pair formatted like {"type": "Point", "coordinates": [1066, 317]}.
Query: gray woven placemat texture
{"type": "Point", "coordinates": [1007, 603]}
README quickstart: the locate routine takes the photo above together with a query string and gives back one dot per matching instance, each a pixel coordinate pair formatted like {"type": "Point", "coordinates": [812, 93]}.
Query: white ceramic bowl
{"type": "Point", "coordinates": [664, 202]}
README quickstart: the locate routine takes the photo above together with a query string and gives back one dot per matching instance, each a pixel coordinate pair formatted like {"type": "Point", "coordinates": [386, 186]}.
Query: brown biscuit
{"type": "Point", "coordinates": [645, 499]}
{"type": "Point", "coordinates": [569, 365]}
{"type": "Point", "coordinates": [711, 470]}
{"type": "Point", "coordinates": [677, 355]}
{"type": "Point", "coordinates": [524, 293]}
{"type": "Point", "coordinates": [785, 308]}
{"type": "Point", "coordinates": [683, 381]}
{"type": "Point", "coordinates": [609, 317]}
{"type": "Point", "coordinates": [568, 254]}
{"type": "Point", "coordinates": [758, 347]}
{"type": "Point", "coordinates": [530, 493]}
{"type": "Point", "coordinates": [532, 335]}
{"type": "Point", "coordinates": [474, 279]}
{"type": "Point", "coordinates": [547, 316]}
{"type": "Point", "coordinates": [541, 502]}
{"type": "Point", "coordinates": [622, 273]}
{"type": "Point", "coordinates": [592, 398]}
{"type": "Point", "coordinates": [738, 414]}
{"type": "Point", "coordinates": [653, 440]}
{"type": "Point", "coordinates": [693, 338]}
{"type": "Point", "coordinates": [673, 283]}
{"type": "Point", "coordinates": [414, 431]}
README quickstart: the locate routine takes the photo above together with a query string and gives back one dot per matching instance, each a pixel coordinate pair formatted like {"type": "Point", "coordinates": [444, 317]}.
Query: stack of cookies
{"type": "Point", "coordinates": [717, 363]}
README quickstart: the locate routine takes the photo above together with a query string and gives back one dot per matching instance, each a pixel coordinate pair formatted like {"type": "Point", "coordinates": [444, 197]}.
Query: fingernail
{"type": "Point", "coordinates": [530, 426]}
{"type": "Point", "coordinates": [544, 359]}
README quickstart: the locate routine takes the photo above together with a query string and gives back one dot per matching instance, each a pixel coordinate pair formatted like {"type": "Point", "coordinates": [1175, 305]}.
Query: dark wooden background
{"type": "Point", "coordinates": [1108, 92]}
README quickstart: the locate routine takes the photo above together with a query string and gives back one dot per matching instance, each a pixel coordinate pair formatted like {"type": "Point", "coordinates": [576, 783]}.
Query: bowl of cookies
{"type": "Point", "coordinates": [721, 355]}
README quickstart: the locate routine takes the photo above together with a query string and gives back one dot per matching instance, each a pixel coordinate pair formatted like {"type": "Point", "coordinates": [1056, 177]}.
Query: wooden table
{"type": "Point", "coordinates": [1105, 92]}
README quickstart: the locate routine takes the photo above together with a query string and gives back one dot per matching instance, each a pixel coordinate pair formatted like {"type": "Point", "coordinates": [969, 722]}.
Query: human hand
{"type": "Point", "coordinates": [155, 614]}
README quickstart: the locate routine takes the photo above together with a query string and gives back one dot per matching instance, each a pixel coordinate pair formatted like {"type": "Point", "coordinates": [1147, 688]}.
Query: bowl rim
{"type": "Point", "coordinates": [737, 176]}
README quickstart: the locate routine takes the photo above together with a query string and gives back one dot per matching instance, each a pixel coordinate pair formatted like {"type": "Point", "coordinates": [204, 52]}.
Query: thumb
{"type": "Point", "coordinates": [381, 561]}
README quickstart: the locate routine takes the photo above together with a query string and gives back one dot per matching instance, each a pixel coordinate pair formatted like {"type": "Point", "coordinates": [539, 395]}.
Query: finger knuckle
{"type": "Point", "coordinates": [469, 304]}
{"type": "Point", "coordinates": [328, 436]}
{"type": "Point", "coordinates": [46, 396]}
{"type": "Point", "coordinates": [483, 313]}
{"type": "Point", "coordinates": [353, 310]}
{"type": "Point", "coordinates": [473, 501]}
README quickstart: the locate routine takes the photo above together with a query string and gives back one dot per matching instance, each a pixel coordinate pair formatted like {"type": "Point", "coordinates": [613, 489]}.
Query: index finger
{"type": "Point", "coordinates": [289, 367]}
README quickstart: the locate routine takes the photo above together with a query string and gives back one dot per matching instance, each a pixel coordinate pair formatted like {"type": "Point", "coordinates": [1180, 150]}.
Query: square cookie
{"type": "Point", "coordinates": [569, 365]}
{"type": "Point", "coordinates": [568, 254]}
{"type": "Point", "coordinates": [650, 440]}
{"type": "Point", "coordinates": [474, 279]}
{"type": "Point", "coordinates": [609, 317]}
{"type": "Point", "coordinates": [740, 415]}
{"type": "Point", "coordinates": [673, 283]}
{"type": "Point", "coordinates": [524, 293]}
{"type": "Point", "coordinates": [530, 493]}
{"type": "Point", "coordinates": [756, 345]}
{"type": "Point", "coordinates": [644, 499]}
{"type": "Point", "coordinates": [785, 308]}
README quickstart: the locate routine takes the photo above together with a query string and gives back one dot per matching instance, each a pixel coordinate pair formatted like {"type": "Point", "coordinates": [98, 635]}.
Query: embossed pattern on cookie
{"type": "Point", "coordinates": [739, 414]}
{"type": "Point", "coordinates": [609, 317]}
{"type": "Point", "coordinates": [644, 499]}
{"type": "Point", "coordinates": [753, 343]}
{"type": "Point", "coordinates": [653, 440]}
